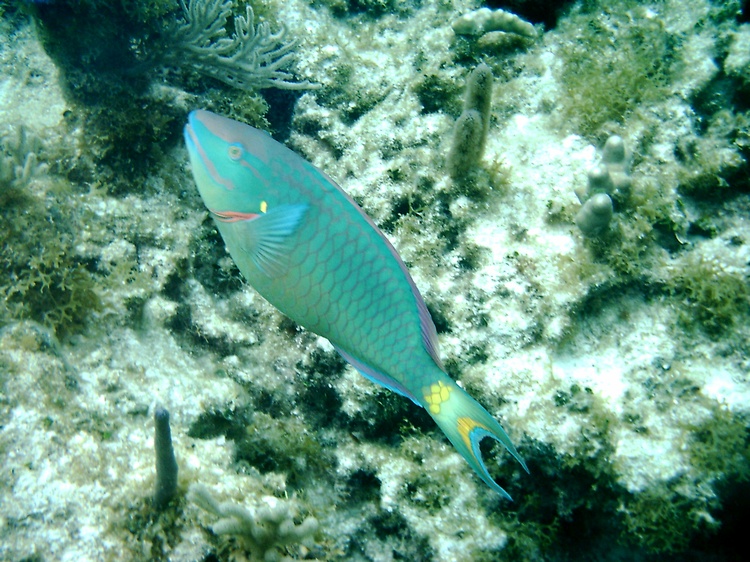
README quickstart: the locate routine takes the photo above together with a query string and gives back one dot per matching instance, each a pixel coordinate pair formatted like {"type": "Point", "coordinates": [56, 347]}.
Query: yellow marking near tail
{"type": "Point", "coordinates": [466, 426]}
{"type": "Point", "coordinates": [435, 395]}
{"type": "Point", "coordinates": [263, 206]}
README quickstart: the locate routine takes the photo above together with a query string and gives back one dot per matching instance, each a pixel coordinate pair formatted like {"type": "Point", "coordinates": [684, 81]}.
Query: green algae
{"type": "Point", "coordinates": [615, 58]}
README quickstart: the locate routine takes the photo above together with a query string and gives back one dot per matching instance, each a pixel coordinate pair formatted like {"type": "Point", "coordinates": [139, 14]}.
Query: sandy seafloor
{"type": "Point", "coordinates": [619, 364]}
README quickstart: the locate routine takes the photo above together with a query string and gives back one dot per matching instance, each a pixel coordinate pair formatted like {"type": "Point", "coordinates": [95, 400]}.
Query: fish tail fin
{"type": "Point", "coordinates": [465, 422]}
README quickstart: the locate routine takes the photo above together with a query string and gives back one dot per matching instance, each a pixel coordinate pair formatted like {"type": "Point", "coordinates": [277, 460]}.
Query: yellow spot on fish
{"type": "Point", "coordinates": [263, 206]}
{"type": "Point", "coordinates": [466, 426]}
{"type": "Point", "coordinates": [435, 395]}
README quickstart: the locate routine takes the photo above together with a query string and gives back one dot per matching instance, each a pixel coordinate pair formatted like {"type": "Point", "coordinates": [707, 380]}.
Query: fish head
{"type": "Point", "coordinates": [229, 161]}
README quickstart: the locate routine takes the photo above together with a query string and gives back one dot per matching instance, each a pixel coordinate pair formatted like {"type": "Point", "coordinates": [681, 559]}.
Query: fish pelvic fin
{"type": "Point", "coordinates": [465, 422]}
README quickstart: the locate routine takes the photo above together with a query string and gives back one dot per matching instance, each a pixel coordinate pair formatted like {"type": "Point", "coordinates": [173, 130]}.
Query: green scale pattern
{"type": "Point", "coordinates": [343, 284]}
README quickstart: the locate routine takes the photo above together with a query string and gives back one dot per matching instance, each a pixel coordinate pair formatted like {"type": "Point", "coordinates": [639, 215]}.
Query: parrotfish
{"type": "Point", "coordinates": [310, 250]}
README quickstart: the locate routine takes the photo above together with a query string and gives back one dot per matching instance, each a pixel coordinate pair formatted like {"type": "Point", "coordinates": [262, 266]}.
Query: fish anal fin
{"type": "Point", "coordinates": [376, 376]}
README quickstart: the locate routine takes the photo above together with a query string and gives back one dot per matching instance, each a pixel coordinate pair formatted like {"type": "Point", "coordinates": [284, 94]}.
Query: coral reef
{"type": "Point", "coordinates": [484, 20]}
{"type": "Point", "coordinates": [43, 278]}
{"type": "Point", "coordinates": [619, 361]}
{"type": "Point", "coordinates": [252, 58]}
{"type": "Point", "coordinates": [610, 180]}
{"type": "Point", "coordinates": [262, 531]}
{"type": "Point", "coordinates": [166, 464]}
{"type": "Point", "coordinates": [470, 134]}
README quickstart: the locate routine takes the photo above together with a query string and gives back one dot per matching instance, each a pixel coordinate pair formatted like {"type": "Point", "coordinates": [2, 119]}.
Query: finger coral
{"type": "Point", "coordinates": [594, 216]}
{"type": "Point", "coordinates": [166, 464]}
{"type": "Point", "coordinates": [264, 531]}
{"type": "Point", "coordinates": [470, 134]}
{"type": "Point", "coordinates": [610, 180]}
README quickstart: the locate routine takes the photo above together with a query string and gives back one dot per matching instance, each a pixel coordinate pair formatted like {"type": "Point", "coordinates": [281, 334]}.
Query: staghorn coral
{"type": "Point", "coordinates": [263, 531]}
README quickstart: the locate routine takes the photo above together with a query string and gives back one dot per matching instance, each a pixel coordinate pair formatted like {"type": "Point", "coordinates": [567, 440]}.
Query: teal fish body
{"type": "Point", "coordinates": [309, 250]}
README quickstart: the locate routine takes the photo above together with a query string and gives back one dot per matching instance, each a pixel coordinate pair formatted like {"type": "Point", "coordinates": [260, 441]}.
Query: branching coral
{"type": "Point", "coordinates": [19, 160]}
{"type": "Point", "coordinates": [253, 57]}
{"type": "Point", "coordinates": [263, 531]}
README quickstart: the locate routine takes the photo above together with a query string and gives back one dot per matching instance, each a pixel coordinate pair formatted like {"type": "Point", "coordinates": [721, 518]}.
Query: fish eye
{"type": "Point", "coordinates": [235, 151]}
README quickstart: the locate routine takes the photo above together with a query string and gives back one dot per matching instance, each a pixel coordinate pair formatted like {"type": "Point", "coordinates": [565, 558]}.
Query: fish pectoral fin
{"type": "Point", "coordinates": [266, 238]}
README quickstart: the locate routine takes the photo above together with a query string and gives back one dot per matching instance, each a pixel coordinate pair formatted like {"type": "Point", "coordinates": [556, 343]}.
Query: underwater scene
{"type": "Point", "coordinates": [547, 287]}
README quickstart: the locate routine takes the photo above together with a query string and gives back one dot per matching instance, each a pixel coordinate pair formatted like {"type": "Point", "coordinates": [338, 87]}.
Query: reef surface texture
{"type": "Point", "coordinates": [618, 362]}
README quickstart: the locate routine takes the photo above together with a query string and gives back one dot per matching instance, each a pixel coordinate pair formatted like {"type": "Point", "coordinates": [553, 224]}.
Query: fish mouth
{"type": "Point", "coordinates": [189, 136]}
{"type": "Point", "coordinates": [189, 132]}
{"type": "Point", "coordinates": [197, 152]}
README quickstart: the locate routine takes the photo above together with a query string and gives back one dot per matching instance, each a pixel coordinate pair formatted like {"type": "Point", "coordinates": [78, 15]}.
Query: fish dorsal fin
{"type": "Point", "coordinates": [429, 333]}
{"type": "Point", "coordinates": [265, 238]}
